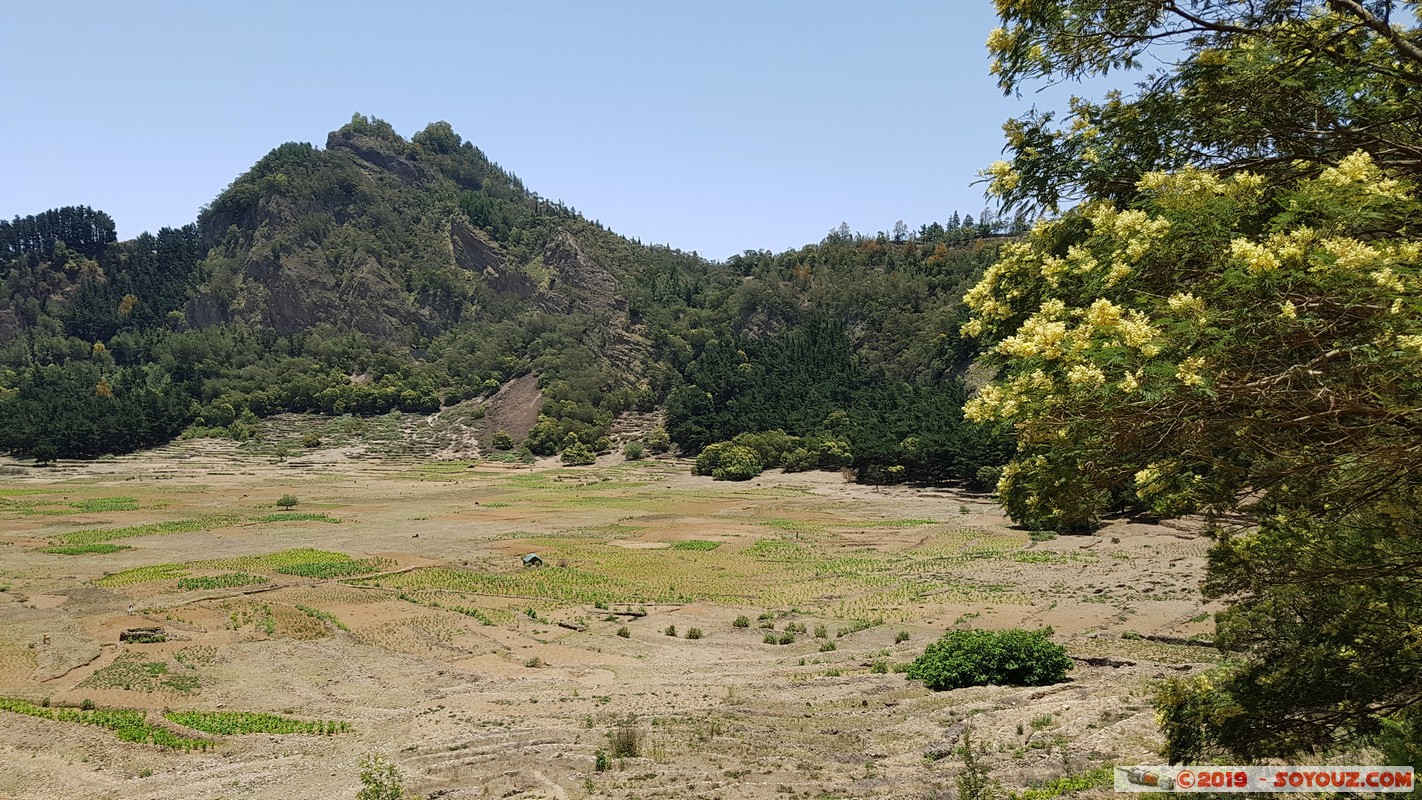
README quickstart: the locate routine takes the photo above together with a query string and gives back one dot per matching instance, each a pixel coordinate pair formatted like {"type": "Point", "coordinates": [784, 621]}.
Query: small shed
{"type": "Point", "coordinates": [533, 560]}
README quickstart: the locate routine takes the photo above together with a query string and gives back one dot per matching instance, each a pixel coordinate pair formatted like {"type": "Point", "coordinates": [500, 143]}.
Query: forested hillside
{"type": "Point", "coordinates": [377, 273]}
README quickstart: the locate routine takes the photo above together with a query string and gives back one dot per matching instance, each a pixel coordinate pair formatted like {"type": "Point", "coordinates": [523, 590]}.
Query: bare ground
{"type": "Point", "coordinates": [509, 682]}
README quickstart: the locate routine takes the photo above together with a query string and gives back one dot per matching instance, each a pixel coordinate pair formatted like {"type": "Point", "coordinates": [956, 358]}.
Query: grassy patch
{"type": "Point", "coordinates": [100, 505]}
{"type": "Point", "coordinates": [295, 516]}
{"type": "Point", "coordinates": [306, 562]}
{"type": "Point", "coordinates": [134, 672]}
{"type": "Point", "coordinates": [695, 545]}
{"type": "Point", "coordinates": [93, 535]}
{"type": "Point", "coordinates": [237, 723]}
{"type": "Point", "coordinates": [1098, 778]}
{"type": "Point", "coordinates": [58, 508]}
{"type": "Point", "coordinates": [324, 616]}
{"type": "Point", "coordinates": [895, 523]}
{"type": "Point", "coordinates": [336, 565]}
{"type": "Point", "coordinates": [85, 549]}
{"type": "Point", "coordinates": [127, 724]}
{"type": "Point", "coordinates": [225, 581]}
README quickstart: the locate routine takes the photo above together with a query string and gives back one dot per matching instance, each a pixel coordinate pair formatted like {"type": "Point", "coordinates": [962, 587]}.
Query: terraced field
{"type": "Point", "coordinates": [389, 612]}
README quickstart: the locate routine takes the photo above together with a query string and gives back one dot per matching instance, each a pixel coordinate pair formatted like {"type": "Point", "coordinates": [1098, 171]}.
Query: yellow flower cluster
{"type": "Point", "coordinates": [1359, 169]}
{"type": "Point", "coordinates": [1130, 326]}
{"type": "Point", "coordinates": [1388, 279]}
{"type": "Point", "coordinates": [1189, 371]}
{"type": "Point", "coordinates": [1087, 375]}
{"type": "Point", "coordinates": [1004, 178]}
{"type": "Point", "coordinates": [999, 41]}
{"type": "Point", "coordinates": [1256, 257]}
{"type": "Point", "coordinates": [1036, 337]}
{"type": "Point", "coordinates": [1146, 480]}
{"type": "Point", "coordinates": [1411, 342]}
{"type": "Point", "coordinates": [1287, 310]}
{"type": "Point", "coordinates": [1190, 185]}
{"type": "Point", "coordinates": [1185, 303]}
{"type": "Point", "coordinates": [1348, 254]}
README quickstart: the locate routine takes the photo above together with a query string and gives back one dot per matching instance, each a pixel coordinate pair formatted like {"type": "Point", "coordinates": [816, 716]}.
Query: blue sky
{"type": "Point", "coordinates": [714, 127]}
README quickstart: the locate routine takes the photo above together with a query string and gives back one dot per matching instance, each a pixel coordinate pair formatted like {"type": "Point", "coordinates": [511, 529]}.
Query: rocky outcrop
{"type": "Point", "coordinates": [586, 284]}
{"type": "Point", "coordinates": [380, 153]}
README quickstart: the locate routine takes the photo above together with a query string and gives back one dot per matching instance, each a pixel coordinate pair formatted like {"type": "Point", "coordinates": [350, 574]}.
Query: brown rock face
{"type": "Point", "coordinates": [585, 283]}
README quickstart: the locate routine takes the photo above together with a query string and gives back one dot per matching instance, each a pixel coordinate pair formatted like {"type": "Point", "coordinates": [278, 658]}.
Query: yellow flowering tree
{"type": "Point", "coordinates": [1230, 320]}
{"type": "Point", "coordinates": [1226, 348]}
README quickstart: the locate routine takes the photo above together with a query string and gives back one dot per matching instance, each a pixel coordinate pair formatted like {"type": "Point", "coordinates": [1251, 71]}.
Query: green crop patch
{"type": "Point", "coordinates": [127, 724]}
{"type": "Point", "coordinates": [238, 723]}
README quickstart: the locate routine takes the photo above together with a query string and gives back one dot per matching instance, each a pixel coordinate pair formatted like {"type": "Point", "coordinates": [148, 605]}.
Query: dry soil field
{"type": "Point", "coordinates": [389, 612]}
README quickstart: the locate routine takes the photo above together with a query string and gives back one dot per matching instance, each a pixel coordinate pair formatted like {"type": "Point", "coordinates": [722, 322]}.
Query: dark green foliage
{"type": "Point", "coordinates": [769, 446]}
{"type": "Point", "coordinates": [980, 657]}
{"type": "Point", "coordinates": [80, 229]}
{"type": "Point", "coordinates": [634, 451]}
{"type": "Point", "coordinates": [82, 409]}
{"type": "Point", "coordinates": [804, 401]}
{"type": "Point", "coordinates": [728, 462]}
{"type": "Point", "coordinates": [1321, 600]}
{"type": "Point", "coordinates": [502, 441]}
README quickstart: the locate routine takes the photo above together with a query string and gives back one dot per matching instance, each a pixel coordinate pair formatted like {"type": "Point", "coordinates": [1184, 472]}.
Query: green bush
{"type": "Point", "coordinates": [578, 455]}
{"type": "Point", "coordinates": [799, 460]}
{"type": "Point", "coordinates": [634, 451]}
{"type": "Point", "coordinates": [658, 441]}
{"type": "Point", "coordinates": [741, 622]}
{"type": "Point", "coordinates": [502, 441]}
{"type": "Point", "coordinates": [286, 500]}
{"type": "Point", "coordinates": [728, 462]}
{"type": "Point", "coordinates": [830, 454]}
{"type": "Point", "coordinates": [978, 657]}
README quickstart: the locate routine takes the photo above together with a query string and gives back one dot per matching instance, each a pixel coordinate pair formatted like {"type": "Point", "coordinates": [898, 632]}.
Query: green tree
{"type": "Point", "coordinates": [1230, 323]}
